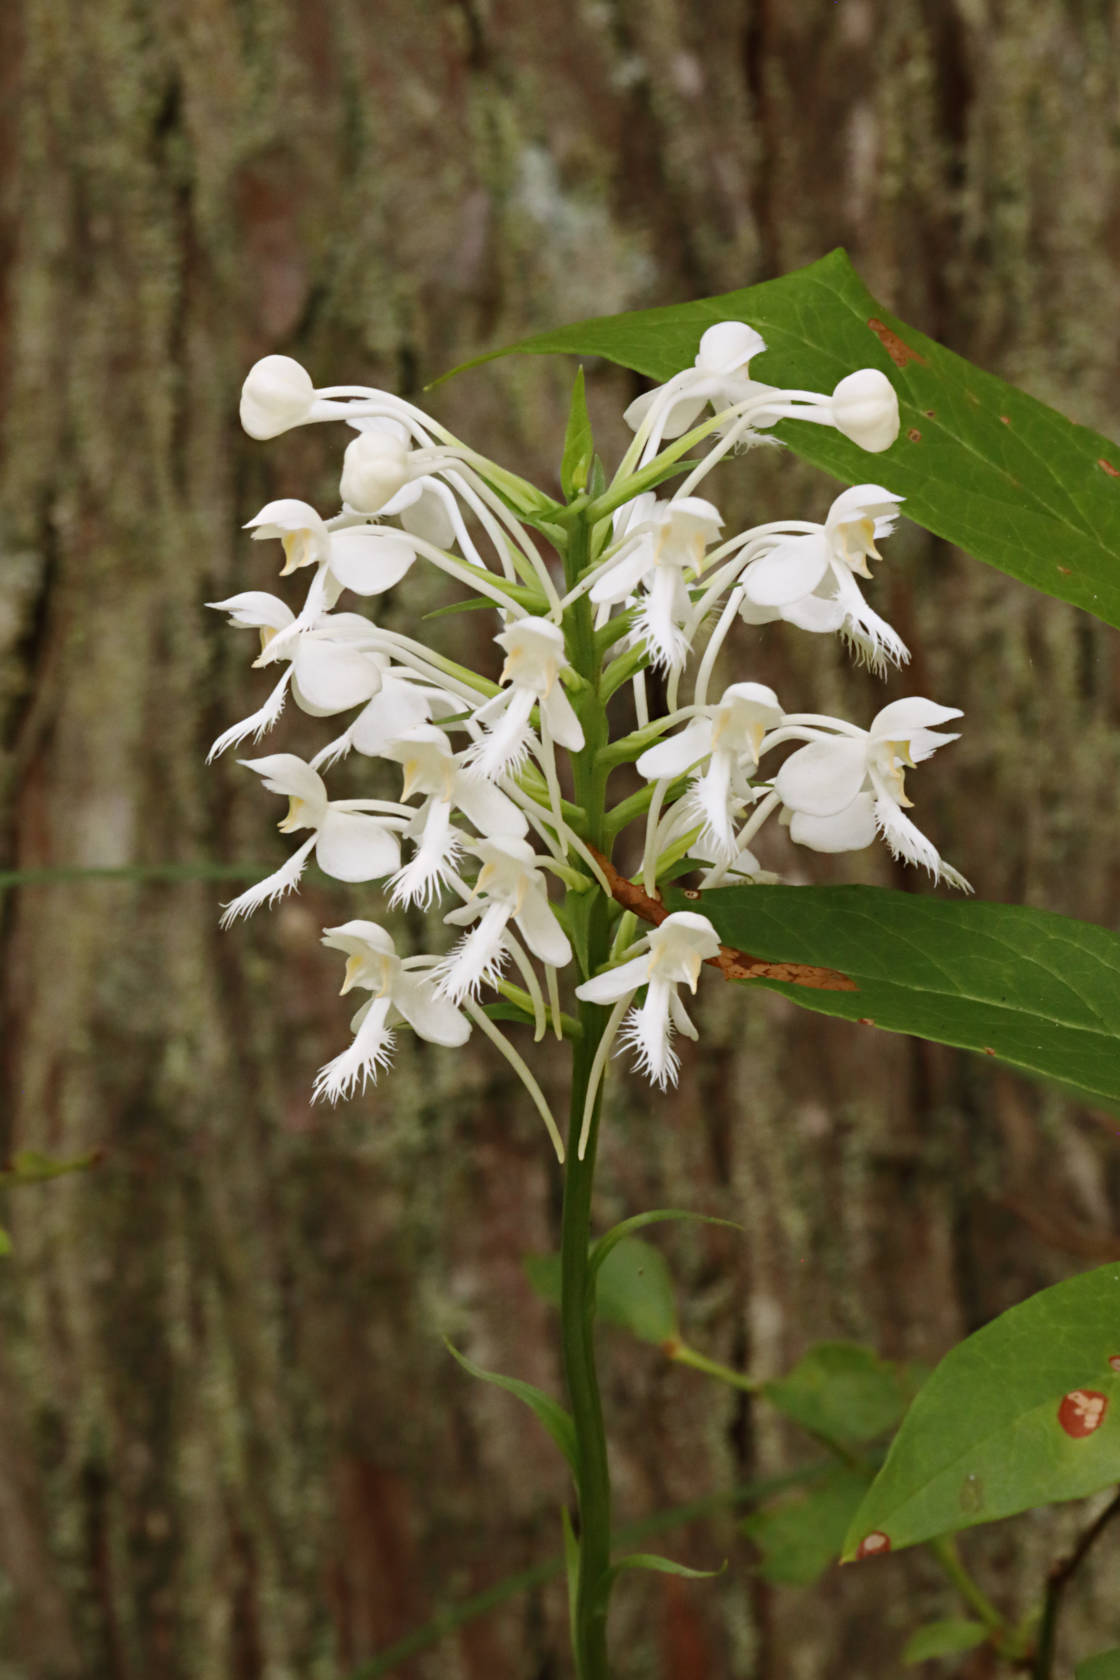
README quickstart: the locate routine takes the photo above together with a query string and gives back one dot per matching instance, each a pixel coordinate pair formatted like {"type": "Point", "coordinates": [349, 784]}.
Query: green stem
{"type": "Point", "coordinates": [684, 1355]}
{"type": "Point", "coordinates": [944, 1549]}
{"type": "Point", "coordinates": [577, 1296]}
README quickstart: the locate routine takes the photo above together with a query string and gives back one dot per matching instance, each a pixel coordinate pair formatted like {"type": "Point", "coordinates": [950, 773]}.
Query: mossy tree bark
{"type": "Point", "coordinates": [213, 1459]}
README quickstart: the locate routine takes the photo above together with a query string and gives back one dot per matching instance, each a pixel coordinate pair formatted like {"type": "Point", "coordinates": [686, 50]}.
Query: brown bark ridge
{"type": "Point", "coordinates": [231, 1443]}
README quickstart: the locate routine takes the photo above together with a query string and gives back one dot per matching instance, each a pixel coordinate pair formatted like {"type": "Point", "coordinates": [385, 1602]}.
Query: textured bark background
{"type": "Point", "coordinates": [231, 1443]}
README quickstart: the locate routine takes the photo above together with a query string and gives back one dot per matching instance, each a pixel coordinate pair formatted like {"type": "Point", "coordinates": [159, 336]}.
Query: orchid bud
{"type": "Point", "coordinates": [865, 409]}
{"type": "Point", "coordinates": [374, 468]}
{"type": "Point", "coordinates": [276, 395]}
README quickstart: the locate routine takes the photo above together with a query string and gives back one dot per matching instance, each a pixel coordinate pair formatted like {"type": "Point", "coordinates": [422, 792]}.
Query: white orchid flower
{"type": "Point", "coordinates": [535, 657]}
{"type": "Point", "coordinates": [662, 550]}
{"type": "Point", "coordinates": [431, 768]}
{"type": "Point", "coordinates": [367, 559]}
{"type": "Point", "coordinates": [350, 843]}
{"type": "Point", "coordinates": [843, 789]}
{"type": "Point", "coordinates": [510, 887]}
{"type": "Point", "coordinates": [382, 475]}
{"type": "Point", "coordinates": [403, 702]}
{"type": "Point", "coordinates": [806, 578]}
{"type": "Point", "coordinates": [400, 993]}
{"type": "Point", "coordinates": [719, 375]}
{"type": "Point", "coordinates": [723, 743]}
{"type": "Point", "coordinates": [332, 665]}
{"type": "Point", "coordinates": [864, 406]}
{"type": "Point", "coordinates": [675, 953]}
{"type": "Point", "coordinates": [277, 394]}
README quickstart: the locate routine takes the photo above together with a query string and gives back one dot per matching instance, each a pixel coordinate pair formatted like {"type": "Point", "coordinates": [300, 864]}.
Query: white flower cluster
{"type": "Point", "coordinates": [484, 805]}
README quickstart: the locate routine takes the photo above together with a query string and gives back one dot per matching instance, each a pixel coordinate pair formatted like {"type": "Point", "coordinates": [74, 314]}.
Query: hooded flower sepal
{"type": "Point", "coordinates": [349, 842]}
{"type": "Point", "coordinates": [400, 993]}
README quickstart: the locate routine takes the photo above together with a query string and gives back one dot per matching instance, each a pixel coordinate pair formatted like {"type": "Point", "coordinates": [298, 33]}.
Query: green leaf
{"type": "Point", "coordinates": [579, 446]}
{"type": "Point", "coordinates": [1037, 991]}
{"type": "Point", "coordinates": [633, 1289]}
{"type": "Point", "coordinates": [1025, 1412]}
{"type": "Point", "coordinates": [979, 462]}
{"type": "Point", "coordinates": [5, 1243]}
{"type": "Point", "coordinates": [548, 1411]}
{"type": "Point", "coordinates": [800, 1538]}
{"type": "Point", "coordinates": [473, 603]}
{"type": "Point", "coordinates": [1104, 1666]}
{"type": "Point", "coordinates": [28, 1166]}
{"type": "Point", "coordinates": [656, 1216]}
{"type": "Point", "coordinates": [843, 1392]}
{"type": "Point", "coordinates": [943, 1639]}
{"type": "Point", "coordinates": [663, 1566]}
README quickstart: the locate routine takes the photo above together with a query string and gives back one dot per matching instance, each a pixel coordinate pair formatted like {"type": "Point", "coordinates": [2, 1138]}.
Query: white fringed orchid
{"type": "Point", "coordinates": [510, 887]}
{"type": "Point", "coordinates": [332, 664]}
{"type": "Point", "coordinates": [662, 551]}
{"type": "Point", "coordinates": [349, 841]}
{"type": "Point", "coordinates": [844, 788]}
{"type": "Point", "coordinates": [535, 657]}
{"type": "Point", "coordinates": [674, 955]}
{"type": "Point", "coordinates": [432, 768]}
{"type": "Point", "coordinates": [277, 394]}
{"type": "Point", "coordinates": [367, 559]}
{"type": "Point", "coordinates": [401, 992]}
{"type": "Point", "coordinates": [806, 578]}
{"type": "Point", "coordinates": [723, 743]}
{"type": "Point", "coordinates": [382, 475]}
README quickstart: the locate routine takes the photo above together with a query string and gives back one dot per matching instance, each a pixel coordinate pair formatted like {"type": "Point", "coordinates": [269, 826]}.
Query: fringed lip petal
{"type": "Point", "coordinates": [428, 1014]}
{"type": "Point", "coordinates": [542, 932]}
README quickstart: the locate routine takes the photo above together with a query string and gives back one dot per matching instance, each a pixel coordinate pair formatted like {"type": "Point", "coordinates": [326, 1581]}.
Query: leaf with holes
{"type": "Point", "coordinates": [980, 463]}
{"type": "Point", "coordinates": [1037, 991]}
{"type": "Point", "coordinates": [1025, 1412]}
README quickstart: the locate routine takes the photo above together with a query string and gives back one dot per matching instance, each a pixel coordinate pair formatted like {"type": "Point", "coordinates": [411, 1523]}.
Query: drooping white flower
{"type": "Point", "coordinates": [332, 663]}
{"type": "Point", "coordinates": [807, 578]}
{"type": "Point", "coordinates": [432, 768]}
{"type": "Point", "coordinates": [674, 954]}
{"type": "Point", "coordinates": [510, 887]}
{"type": "Point", "coordinates": [720, 375]}
{"type": "Point", "coordinates": [535, 657]}
{"type": "Point", "coordinates": [381, 475]}
{"type": "Point", "coordinates": [723, 743]}
{"type": "Point", "coordinates": [277, 394]}
{"type": "Point", "coordinates": [865, 409]}
{"type": "Point", "coordinates": [661, 553]}
{"type": "Point", "coordinates": [843, 788]}
{"type": "Point", "coordinates": [349, 842]}
{"type": "Point", "coordinates": [400, 993]}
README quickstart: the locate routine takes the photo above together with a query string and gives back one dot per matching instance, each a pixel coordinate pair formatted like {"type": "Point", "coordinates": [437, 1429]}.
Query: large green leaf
{"type": "Point", "coordinates": [1038, 991]}
{"type": "Point", "coordinates": [979, 462]}
{"type": "Point", "coordinates": [1025, 1412]}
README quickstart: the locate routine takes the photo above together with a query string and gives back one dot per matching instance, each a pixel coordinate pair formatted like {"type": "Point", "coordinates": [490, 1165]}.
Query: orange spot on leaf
{"type": "Point", "coordinates": [988, 1051]}
{"type": "Point", "coordinates": [691, 892]}
{"type": "Point", "coordinates": [866, 1021]}
{"type": "Point", "coordinates": [914, 435]}
{"type": "Point", "coordinates": [1006, 418]}
{"type": "Point", "coordinates": [874, 1544]}
{"type": "Point", "coordinates": [1065, 570]}
{"type": "Point", "coordinates": [899, 352]}
{"type": "Point", "coordinates": [1107, 466]}
{"type": "Point", "coordinates": [1081, 1412]}
{"type": "Point", "coordinates": [1114, 1361]}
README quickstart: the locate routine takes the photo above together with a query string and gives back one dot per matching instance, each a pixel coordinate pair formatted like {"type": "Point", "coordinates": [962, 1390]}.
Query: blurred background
{"type": "Point", "coordinates": [232, 1445]}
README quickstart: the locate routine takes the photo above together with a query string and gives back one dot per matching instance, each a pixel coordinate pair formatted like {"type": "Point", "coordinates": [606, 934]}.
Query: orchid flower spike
{"type": "Point", "coordinates": [431, 768]}
{"type": "Point", "coordinates": [675, 952]}
{"type": "Point", "coordinates": [719, 375]}
{"type": "Point", "coordinates": [662, 552]}
{"type": "Point", "coordinates": [510, 887]}
{"type": "Point", "coordinates": [535, 658]}
{"type": "Point", "coordinates": [349, 843]}
{"type": "Point", "coordinates": [807, 579]}
{"type": "Point", "coordinates": [399, 994]}
{"type": "Point", "coordinates": [845, 789]}
{"type": "Point", "coordinates": [723, 743]}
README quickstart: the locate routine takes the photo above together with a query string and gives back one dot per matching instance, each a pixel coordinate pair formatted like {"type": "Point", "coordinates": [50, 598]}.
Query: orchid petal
{"type": "Point", "coordinates": [823, 777]}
